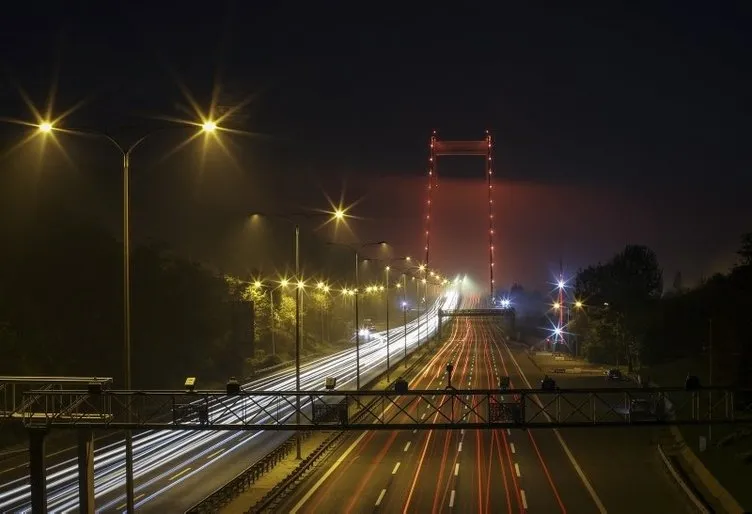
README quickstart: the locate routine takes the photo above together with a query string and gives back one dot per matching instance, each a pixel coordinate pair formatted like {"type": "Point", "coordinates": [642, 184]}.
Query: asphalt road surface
{"type": "Point", "coordinates": [567, 470]}
{"type": "Point", "coordinates": [176, 469]}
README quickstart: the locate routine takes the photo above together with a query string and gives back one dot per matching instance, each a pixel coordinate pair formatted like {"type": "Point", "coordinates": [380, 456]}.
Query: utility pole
{"type": "Point", "coordinates": [271, 320]}
{"type": "Point", "coordinates": [710, 377]}
{"type": "Point", "coordinates": [386, 272]}
{"type": "Point", "coordinates": [404, 313]}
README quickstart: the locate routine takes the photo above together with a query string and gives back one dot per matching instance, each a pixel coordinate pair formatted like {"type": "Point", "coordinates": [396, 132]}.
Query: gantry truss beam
{"type": "Point", "coordinates": [13, 388]}
{"type": "Point", "coordinates": [384, 410]}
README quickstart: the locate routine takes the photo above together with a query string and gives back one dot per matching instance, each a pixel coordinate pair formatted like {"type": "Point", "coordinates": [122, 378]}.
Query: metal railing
{"type": "Point", "coordinates": [246, 478]}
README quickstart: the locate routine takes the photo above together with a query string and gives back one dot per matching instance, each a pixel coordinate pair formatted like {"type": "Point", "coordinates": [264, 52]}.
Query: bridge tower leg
{"type": "Point", "coordinates": [38, 470]}
{"type": "Point", "coordinates": [86, 471]}
{"type": "Point", "coordinates": [489, 175]}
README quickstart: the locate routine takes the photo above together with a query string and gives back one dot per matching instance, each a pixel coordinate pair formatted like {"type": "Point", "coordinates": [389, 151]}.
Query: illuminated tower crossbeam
{"type": "Point", "coordinates": [481, 148]}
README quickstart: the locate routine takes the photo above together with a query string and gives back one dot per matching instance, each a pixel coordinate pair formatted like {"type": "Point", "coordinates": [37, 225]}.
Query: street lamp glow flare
{"type": "Point", "coordinates": [45, 127]}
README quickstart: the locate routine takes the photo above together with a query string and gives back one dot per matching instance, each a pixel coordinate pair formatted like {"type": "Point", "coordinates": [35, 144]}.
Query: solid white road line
{"type": "Point", "coordinates": [396, 467]}
{"type": "Point", "coordinates": [459, 448]}
{"type": "Point", "coordinates": [321, 480]}
{"type": "Point", "coordinates": [572, 460]}
{"type": "Point", "coordinates": [457, 469]}
{"type": "Point", "coordinates": [407, 446]}
{"type": "Point", "coordinates": [523, 498]}
{"type": "Point", "coordinates": [381, 497]}
{"type": "Point", "coordinates": [517, 469]}
{"type": "Point", "coordinates": [451, 499]}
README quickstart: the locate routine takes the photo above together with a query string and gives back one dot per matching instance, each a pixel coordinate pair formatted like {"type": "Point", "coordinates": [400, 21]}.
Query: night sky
{"type": "Point", "coordinates": [611, 125]}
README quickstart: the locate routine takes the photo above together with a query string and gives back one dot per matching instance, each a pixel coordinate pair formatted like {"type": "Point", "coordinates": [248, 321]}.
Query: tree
{"type": "Point", "coordinates": [322, 302]}
{"type": "Point", "coordinates": [285, 313]}
{"type": "Point", "coordinates": [620, 294]}
{"type": "Point", "coordinates": [745, 250]}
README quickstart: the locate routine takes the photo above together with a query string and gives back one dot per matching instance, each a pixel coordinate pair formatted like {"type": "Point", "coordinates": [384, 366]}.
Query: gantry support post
{"type": "Point", "coordinates": [37, 470]}
{"type": "Point", "coordinates": [86, 471]}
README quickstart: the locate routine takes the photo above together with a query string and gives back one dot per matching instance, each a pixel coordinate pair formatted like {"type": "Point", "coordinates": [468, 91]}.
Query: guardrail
{"type": "Point", "coordinates": [246, 478]}
{"type": "Point", "coordinates": [277, 494]}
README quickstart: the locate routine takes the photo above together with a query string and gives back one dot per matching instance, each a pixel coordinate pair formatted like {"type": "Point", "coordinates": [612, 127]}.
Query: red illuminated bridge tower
{"type": "Point", "coordinates": [480, 148]}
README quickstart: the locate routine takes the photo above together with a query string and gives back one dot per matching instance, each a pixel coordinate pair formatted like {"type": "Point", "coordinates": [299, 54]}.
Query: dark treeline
{"type": "Point", "coordinates": [627, 318]}
{"type": "Point", "coordinates": [61, 308]}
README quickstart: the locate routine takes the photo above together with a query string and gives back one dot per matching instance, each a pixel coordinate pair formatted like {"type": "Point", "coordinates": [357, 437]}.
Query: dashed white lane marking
{"type": "Point", "coordinates": [173, 477]}
{"type": "Point", "coordinates": [396, 467]}
{"type": "Point", "coordinates": [451, 499]}
{"type": "Point", "coordinates": [121, 507]}
{"type": "Point", "coordinates": [407, 446]}
{"type": "Point", "coordinates": [423, 416]}
{"type": "Point", "coordinates": [511, 447]}
{"type": "Point", "coordinates": [381, 497]}
{"type": "Point", "coordinates": [459, 448]}
{"type": "Point", "coordinates": [565, 447]}
{"type": "Point", "coordinates": [415, 431]}
{"type": "Point", "coordinates": [523, 498]}
{"type": "Point", "coordinates": [457, 469]}
{"type": "Point", "coordinates": [462, 431]}
{"type": "Point", "coordinates": [517, 469]}
{"type": "Point", "coordinates": [215, 454]}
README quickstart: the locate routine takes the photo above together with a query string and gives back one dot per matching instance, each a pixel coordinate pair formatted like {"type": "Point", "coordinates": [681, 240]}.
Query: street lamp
{"type": "Point", "coordinates": [46, 127]}
{"type": "Point", "coordinates": [298, 289]}
{"type": "Point", "coordinates": [387, 268]}
{"type": "Point", "coordinates": [357, 251]}
{"type": "Point", "coordinates": [126, 155]}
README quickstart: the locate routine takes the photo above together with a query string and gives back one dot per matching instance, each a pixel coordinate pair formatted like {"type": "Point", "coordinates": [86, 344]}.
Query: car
{"type": "Point", "coordinates": [614, 374]}
{"type": "Point", "coordinates": [548, 383]}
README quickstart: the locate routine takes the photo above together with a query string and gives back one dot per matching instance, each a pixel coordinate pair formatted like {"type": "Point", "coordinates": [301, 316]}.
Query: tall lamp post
{"type": "Point", "coordinates": [387, 268]}
{"type": "Point", "coordinates": [357, 251]}
{"type": "Point", "coordinates": [47, 127]}
{"type": "Point", "coordinates": [404, 312]}
{"type": "Point", "coordinates": [338, 215]}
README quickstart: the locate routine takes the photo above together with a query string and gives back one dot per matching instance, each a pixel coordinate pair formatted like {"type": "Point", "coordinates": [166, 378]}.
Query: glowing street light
{"type": "Point", "coordinates": [209, 126]}
{"type": "Point", "coordinates": [557, 305]}
{"type": "Point", "coordinates": [578, 304]}
{"type": "Point", "coordinates": [257, 284]}
{"type": "Point", "coordinates": [45, 127]}
{"type": "Point", "coordinates": [284, 282]}
{"type": "Point", "coordinates": [560, 284]}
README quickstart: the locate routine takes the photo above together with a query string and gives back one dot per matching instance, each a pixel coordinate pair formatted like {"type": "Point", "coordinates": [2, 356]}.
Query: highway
{"type": "Point", "coordinates": [174, 470]}
{"type": "Point", "coordinates": [577, 470]}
